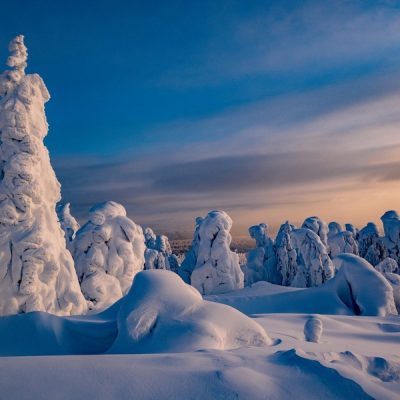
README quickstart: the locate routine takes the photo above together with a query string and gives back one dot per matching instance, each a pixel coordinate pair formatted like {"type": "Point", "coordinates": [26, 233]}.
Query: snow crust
{"type": "Point", "coordinates": [108, 252]}
{"type": "Point", "coordinates": [161, 313]}
{"type": "Point", "coordinates": [37, 271]}
{"type": "Point", "coordinates": [215, 268]}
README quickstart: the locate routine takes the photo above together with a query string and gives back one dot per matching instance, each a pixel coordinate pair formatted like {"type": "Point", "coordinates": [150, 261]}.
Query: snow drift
{"type": "Point", "coordinates": [161, 313]}
{"type": "Point", "coordinates": [36, 269]}
{"type": "Point", "coordinates": [108, 252]}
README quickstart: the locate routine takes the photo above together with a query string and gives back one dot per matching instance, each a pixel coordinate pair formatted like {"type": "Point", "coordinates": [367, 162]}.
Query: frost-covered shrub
{"type": "Point", "coordinates": [286, 256]}
{"type": "Point", "coordinates": [340, 241]}
{"type": "Point", "coordinates": [217, 268]}
{"type": "Point", "coordinates": [370, 244]}
{"type": "Point", "coordinates": [36, 269]}
{"type": "Point", "coordinates": [108, 252]}
{"type": "Point", "coordinates": [158, 253]}
{"type": "Point", "coordinates": [68, 223]}
{"type": "Point", "coordinates": [261, 261]}
{"type": "Point", "coordinates": [318, 226]}
{"type": "Point", "coordinates": [391, 226]}
{"type": "Point", "coordinates": [314, 265]}
{"type": "Point", "coordinates": [162, 314]}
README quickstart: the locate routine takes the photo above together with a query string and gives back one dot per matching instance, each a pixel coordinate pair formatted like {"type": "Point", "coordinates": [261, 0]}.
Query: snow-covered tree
{"type": "Point", "coordinates": [36, 269]}
{"type": "Point", "coordinates": [67, 221]}
{"type": "Point", "coordinates": [340, 241]}
{"type": "Point", "coordinates": [261, 261]}
{"type": "Point", "coordinates": [351, 228]}
{"type": "Point", "coordinates": [158, 253]}
{"type": "Point", "coordinates": [391, 226]}
{"type": "Point", "coordinates": [286, 255]}
{"type": "Point", "coordinates": [318, 226]}
{"type": "Point", "coordinates": [314, 265]}
{"type": "Point", "coordinates": [370, 244]}
{"type": "Point", "coordinates": [108, 252]}
{"type": "Point", "coordinates": [388, 265]}
{"type": "Point", "coordinates": [190, 260]}
{"type": "Point", "coordinates": [217, 268]}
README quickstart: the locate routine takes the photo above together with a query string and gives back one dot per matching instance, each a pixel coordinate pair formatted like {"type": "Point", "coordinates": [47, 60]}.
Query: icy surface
{"type": "Point", "coordinates": [108, 252]}
{"type": "Point", "coordinates": [216, 267]}
{"type": "Point", "coordinates": [36, 269]}
{"type": "Point", "coordinates": [161, 313]}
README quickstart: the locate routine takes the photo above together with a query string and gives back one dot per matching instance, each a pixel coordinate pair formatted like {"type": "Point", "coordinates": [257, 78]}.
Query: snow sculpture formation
{"type": "Point", "coordinates": [370, 244]}
{"type": "Point", "coordinates": [108, 252]}
{"type": "Point", "coordinates": [217, 268]}
{"type": "Point", "coordinates": [37, 271]}
{"type": "Point", "coordinates": [391, 226]}
{"type": "Point", "coordinates": [158, 253]}
{"type": "Point", "coordinates": [340, 241]}
{"type": "Point", "coordinates": [314, 265]}
{"type": "Point", "coordinates": [261, 261]}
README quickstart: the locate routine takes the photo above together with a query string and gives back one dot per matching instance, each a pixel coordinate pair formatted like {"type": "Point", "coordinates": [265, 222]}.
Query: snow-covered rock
{"type": "Point", "coordinates": [370, 244]}
{"type": "Point", "coordinates": [314, 265]}
{"type": "Point", "coordinates": [361, 287]}
{"type": "Point", "coordinates": [313, 329]}
{"type": "Point", "coordinates": [286, 254]}
{"type": "Point", "coordinates": [162, 314]}
{"type": "Point", "coordinates": [217, 268]}
{"type": "Point", "coordinates": [261, 262]}
{"type": "Point", "coordinates": [36, 269]}
{"type": "Point", "coordinates": [340, 241]}
{"type": "Point", "coordinates": [67, 221]}
{"type": "Point", "coordinates": [158, 253]}
{"type": "Point", "coordinates": [108, 252]}
{"type": "Point", "coordinates": [391, 226]}
{"type": "Point", "coordinates": [318, 226]}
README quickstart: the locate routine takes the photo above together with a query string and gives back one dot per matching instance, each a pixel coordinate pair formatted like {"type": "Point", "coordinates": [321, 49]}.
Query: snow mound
{"type": "Point", "coordinates": [36, 269]}
{"type": "Point", "coordinates": [108, 252]}
{"type": "Point", "coordinates": [353, 284]}
{"type": "Point", "coordinates": [162, 314]}
{"type": "Point", "coordinates": [313, 329]}
{"type": "Point", "coordinates": [216, 267]}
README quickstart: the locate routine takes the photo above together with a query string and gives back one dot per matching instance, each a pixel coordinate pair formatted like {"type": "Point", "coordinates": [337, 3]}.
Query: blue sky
{"type": "Point", "coordinates": [269, 110]}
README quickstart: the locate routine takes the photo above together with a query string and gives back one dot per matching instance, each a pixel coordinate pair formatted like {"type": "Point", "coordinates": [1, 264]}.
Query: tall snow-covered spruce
{"type": "Point", "coordinates": [36, 269]}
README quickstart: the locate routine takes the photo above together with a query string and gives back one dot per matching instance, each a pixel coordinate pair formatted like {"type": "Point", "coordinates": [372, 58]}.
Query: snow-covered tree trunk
{"type": "Point", "coordinates": [217, 268]}
{"type": "Point", "coordinates": [36, 269]}
{"type": "Point", "coordinates": [108, 252]}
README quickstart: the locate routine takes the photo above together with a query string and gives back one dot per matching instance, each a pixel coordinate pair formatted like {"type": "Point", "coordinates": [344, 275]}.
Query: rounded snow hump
{"type": "Point", "coordinates": [161, 313]}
